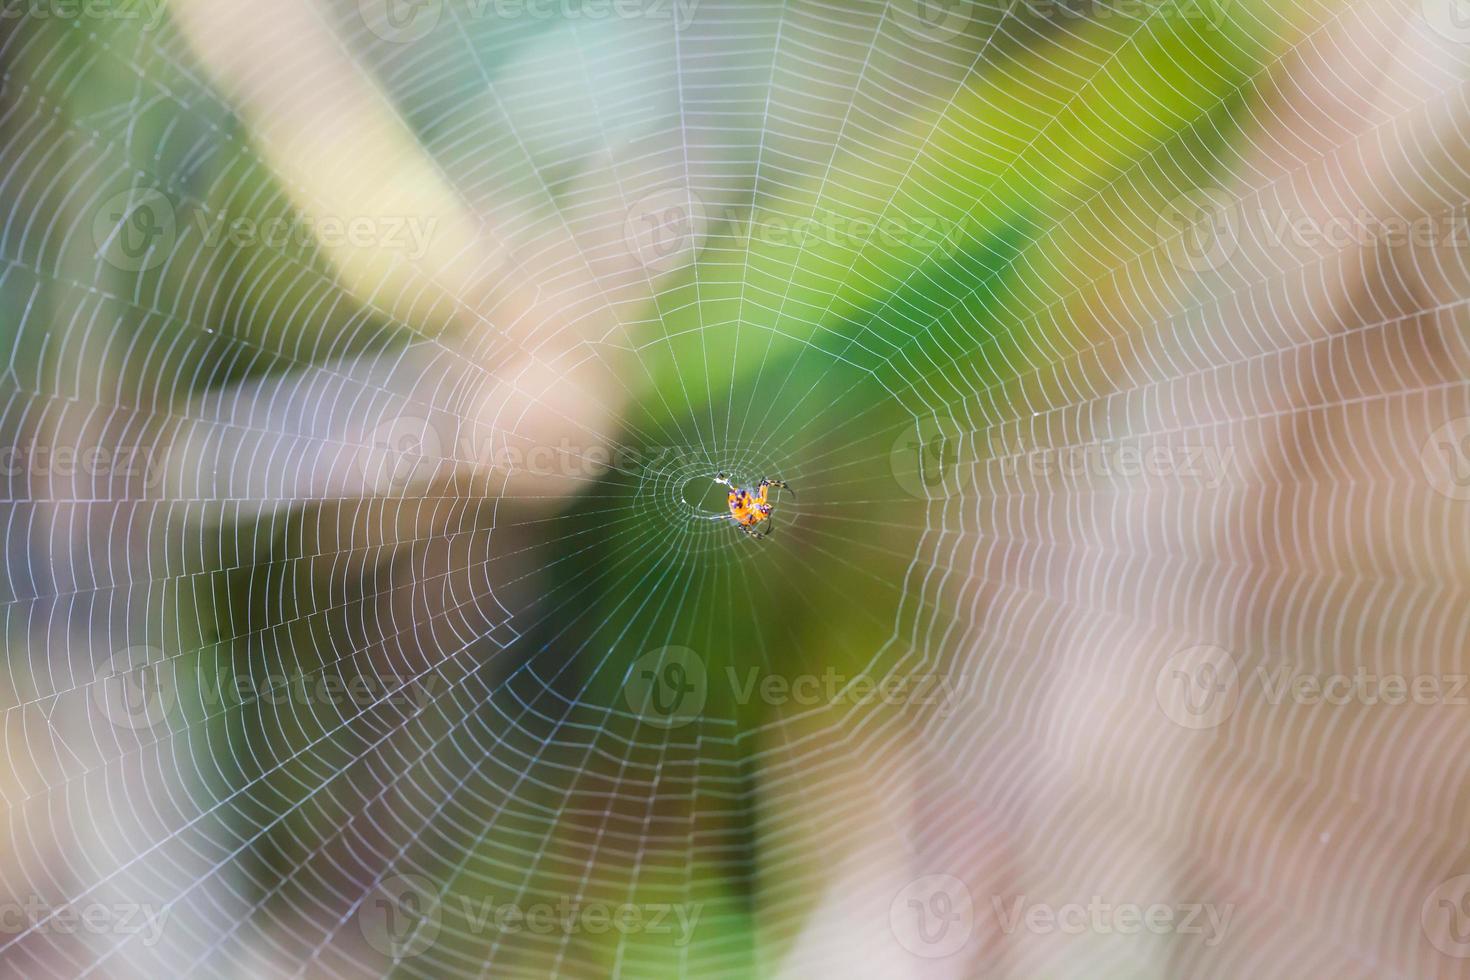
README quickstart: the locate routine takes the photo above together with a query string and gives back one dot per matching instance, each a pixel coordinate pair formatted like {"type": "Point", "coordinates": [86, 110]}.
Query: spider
{"type": "Point", "coordinates": [751, 509]}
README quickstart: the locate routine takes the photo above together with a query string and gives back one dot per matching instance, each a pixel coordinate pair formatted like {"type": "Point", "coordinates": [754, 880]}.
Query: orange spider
{"type": "Point", "coordinates": [751, 509]}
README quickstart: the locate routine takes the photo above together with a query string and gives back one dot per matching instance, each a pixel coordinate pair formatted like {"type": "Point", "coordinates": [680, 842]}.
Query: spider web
{"type": "Point", "coordinates": [369, 604]}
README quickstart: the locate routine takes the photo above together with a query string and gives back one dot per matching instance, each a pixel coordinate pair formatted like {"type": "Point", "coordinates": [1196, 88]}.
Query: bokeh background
{"type": "Point", "coordinates": [367, 604]}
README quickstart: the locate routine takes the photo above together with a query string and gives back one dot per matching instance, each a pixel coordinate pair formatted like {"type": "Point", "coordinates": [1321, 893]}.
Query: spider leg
{"type": "Point", "coordinates": [780, 484]}
{"type": "Point", "coordinates": [724, 478]}
{"type": "Point", "coordinates": [755, 531]}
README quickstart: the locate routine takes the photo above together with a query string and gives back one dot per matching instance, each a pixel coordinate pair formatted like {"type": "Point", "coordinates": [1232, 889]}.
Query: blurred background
{"type": "Point", "coordinates": [368, 604]}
